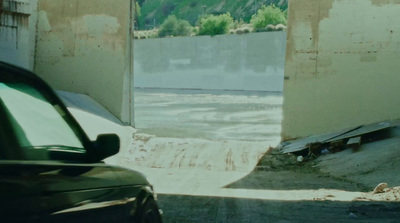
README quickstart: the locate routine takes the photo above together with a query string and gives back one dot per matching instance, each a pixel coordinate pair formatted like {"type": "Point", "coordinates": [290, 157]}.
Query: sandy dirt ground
{"type": "Point", "coordinates": [209, 157]}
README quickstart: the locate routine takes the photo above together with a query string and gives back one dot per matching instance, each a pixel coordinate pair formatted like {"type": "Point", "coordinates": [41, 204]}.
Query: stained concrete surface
{"type": "Point", "coordinates": [199, 149]}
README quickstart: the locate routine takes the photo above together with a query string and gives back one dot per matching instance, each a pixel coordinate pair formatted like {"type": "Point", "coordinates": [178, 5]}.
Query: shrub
{"type": "Point", "coordinates": [267, 15]}
{"type": "Point", "coordinates": [195, 31]}
{"type": "Point", "coordinates": [214, 25]}
{"type": "Point", "coordinates": [237, 24]}
{"type": "Point", "coordinates": [285, 12]}
{"type": "Point", "coordinates": [193, 4]}
{"type": "Point", "coordinates": [239, 32]}
{"type": "Point", "coordinates": [174, 27]}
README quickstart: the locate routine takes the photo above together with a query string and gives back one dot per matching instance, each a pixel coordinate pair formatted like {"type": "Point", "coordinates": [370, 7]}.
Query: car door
{"type": "Point", "coordinates": [52, 192]}
{"type": "Point", "coordinates": [45, 173]}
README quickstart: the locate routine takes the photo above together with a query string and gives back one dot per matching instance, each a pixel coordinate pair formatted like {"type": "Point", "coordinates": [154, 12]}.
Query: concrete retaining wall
{"type": "Point", "coordinates": [228, 62]}
{"type": "Point", "coordinates": [84, 46]}
{"type": "Point", "coordinates": [342, 65]}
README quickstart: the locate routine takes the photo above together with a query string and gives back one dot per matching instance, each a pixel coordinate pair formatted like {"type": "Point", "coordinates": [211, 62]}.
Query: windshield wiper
{"type": "Point", "coordinates": [59, 148]}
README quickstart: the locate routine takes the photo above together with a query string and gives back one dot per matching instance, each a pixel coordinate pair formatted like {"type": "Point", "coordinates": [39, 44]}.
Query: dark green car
{"type": "Point", "coordinates": [49, 169]}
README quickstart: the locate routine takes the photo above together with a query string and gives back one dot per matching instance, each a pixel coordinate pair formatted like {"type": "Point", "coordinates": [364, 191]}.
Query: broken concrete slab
{"type": "Point", "coordinates": [312, 141]}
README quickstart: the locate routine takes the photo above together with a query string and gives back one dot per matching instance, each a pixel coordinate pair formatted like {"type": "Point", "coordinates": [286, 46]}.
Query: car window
{"type": "Point", "coordinates": [38, 125]}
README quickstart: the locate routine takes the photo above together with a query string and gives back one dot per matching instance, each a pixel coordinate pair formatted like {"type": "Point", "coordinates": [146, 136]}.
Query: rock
{"type": "Point", "coordinates": [324, 151]}
{"type": "Point", "coordinates": [280, 27]}
{"type": "Point", "coordinates": [380, 188]}
{"type": "Point", "coordinates": [300, 159]}
{"type": "Point", "coordinates": [270, 27]}
{"type": "Point", "coordinates": [352, 215]}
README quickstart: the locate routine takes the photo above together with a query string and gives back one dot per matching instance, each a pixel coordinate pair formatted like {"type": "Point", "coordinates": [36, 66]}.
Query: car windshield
{"type": "Point", "coordinates": [36, 122]}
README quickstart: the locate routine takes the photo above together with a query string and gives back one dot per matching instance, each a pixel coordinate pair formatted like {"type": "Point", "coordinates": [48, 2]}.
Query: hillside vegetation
{"type": "Point", "coordinates": [154, 12]}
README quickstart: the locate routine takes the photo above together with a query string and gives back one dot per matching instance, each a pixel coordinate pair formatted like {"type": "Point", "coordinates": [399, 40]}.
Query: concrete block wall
{"type": "Point", "coordinates": [84, 46]}
{"type": "Point", "coordinates": [342, 65]}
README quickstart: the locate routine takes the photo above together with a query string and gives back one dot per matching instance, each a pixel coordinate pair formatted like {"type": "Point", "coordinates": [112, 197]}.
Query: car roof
{"type": "Point", "coordinates": [5, 65]}
{"type": "Point", "coordinates": [23, 73]}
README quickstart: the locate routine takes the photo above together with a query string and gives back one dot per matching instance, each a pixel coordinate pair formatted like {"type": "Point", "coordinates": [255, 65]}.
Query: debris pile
{"type": "Point", "coordinates": [384, 193]}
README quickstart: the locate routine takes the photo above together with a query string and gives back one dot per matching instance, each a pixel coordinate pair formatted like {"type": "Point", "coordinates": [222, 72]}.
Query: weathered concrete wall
{"type": "Point", "coordinates": [83, 46]}
{"type": "Point", "coordinates": [17, 32]}
{"type": "Point", "coordinates": [228, 62]}
{"type": "Point", "coordinates": [342, 65]}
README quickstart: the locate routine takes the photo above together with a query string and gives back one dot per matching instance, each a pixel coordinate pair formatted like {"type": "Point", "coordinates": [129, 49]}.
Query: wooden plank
{"type": "Point", "coordinates": [355, 140]}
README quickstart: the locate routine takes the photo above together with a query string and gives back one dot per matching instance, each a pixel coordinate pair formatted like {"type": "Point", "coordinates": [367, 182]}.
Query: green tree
{"type": "Point", "coordinates": [214, 25]}
{"type": "Point", "coordinates": [268, 15]}
{"type": "Point", "coordinates": [136, 15]}
{"type": "Point", "coordinates": [174, 27]}
{"type": "Point", "coordinates": [138, 12]}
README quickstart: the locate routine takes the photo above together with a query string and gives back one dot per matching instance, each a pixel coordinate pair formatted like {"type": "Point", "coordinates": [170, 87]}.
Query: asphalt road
{"type": "Point", "coordinates": [178, 208]}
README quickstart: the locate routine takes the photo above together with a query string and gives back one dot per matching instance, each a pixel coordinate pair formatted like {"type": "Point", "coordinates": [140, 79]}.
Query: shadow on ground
{"type": "Point", "coordinates": [277, 171]}
{"type": "Point", "coordinates": [293, 180]}
{"type": "Point", "coordinates": [178, 208]}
